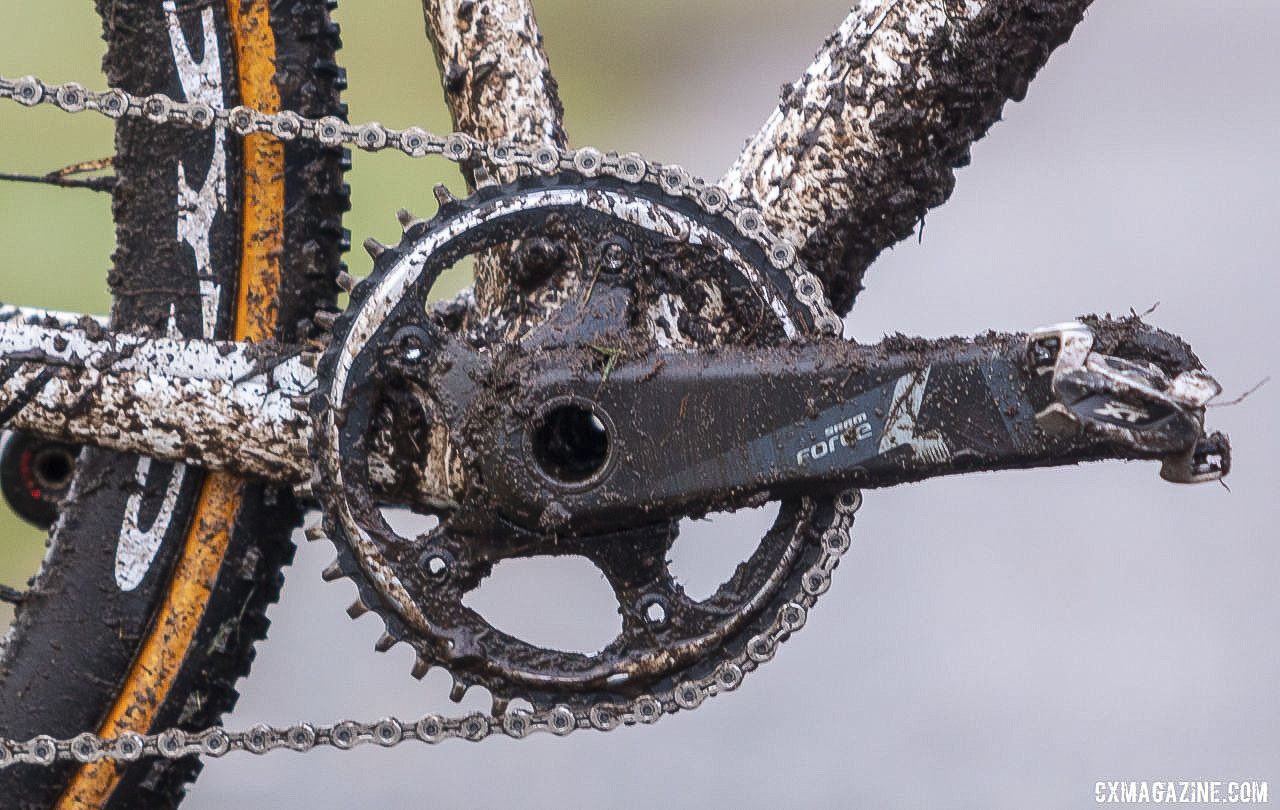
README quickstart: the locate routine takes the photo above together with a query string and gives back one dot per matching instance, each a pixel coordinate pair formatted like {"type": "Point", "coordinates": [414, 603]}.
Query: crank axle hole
{"type": "Point", "coordinates": [571, 444]}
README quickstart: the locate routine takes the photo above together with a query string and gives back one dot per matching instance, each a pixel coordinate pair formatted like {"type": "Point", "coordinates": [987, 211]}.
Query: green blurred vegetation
{"type": "Point", "coordinates": [612, 67]}
{"type": "Point", "coordinates": [56, 243]}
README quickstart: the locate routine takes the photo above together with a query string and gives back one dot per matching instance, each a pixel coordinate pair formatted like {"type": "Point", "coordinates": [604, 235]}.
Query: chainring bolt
{"type": "Point", "coordinates": [436, 562]}
{"type": "Point", "coordinates": [655, 612]}
{"type": "Point", "coordinates": [614, 255]}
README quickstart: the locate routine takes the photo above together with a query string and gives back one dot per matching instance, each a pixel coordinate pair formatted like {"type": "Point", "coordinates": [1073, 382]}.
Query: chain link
{"type": "Point", "coordinates": [560, 720]}
{"type": "Point", "coordinates": [457, 147]}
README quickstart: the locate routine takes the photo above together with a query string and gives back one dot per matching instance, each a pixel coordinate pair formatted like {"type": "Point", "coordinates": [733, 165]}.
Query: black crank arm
{"type": "Point", "coordinates": [674, 434]}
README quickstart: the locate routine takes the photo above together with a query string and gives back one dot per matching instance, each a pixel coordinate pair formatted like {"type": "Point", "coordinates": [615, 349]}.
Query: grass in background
{"type": "Point", "coordinates": [57, 243]}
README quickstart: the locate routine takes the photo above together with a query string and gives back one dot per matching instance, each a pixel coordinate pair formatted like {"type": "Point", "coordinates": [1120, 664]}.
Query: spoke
{"type": "Point", "coordinates": [61, 181]}
{"type": "Point", "coordinates": [12, 595]}
{"type": "Point", "coordinates": [865, 142]}
{"type": "Point", "coordinates": [65, 177]}
{"type": "Point", "coordinates": [498, 85]}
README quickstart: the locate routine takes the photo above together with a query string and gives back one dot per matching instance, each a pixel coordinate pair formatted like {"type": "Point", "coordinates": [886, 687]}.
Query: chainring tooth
{"type": "Point", "coordinates": [469, 668]}
{"type": "Point", "coordinates": [683, 688]}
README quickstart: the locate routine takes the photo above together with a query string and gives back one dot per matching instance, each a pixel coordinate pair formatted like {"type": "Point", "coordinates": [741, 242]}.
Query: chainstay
{"type": "Point", "coordinates": [728, 675]}
{"type": "Point", "coordinates": [458, 147]}
{"type": "Point", "coordinates": [835, 539]}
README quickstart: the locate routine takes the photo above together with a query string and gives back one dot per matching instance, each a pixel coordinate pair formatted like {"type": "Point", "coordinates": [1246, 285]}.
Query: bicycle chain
{"type": "Point", "coordinates": [457, 147]}
{"type": "Point", "coordinates": [835, 539]}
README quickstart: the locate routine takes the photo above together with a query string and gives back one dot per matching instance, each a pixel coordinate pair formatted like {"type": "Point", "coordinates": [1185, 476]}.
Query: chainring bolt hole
{"type": "Point", "coordinates": [436, 563]}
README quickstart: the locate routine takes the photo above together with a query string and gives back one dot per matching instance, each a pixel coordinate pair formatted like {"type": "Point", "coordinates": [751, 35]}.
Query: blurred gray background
{"type": "Point", "coordinates": [990, 641]}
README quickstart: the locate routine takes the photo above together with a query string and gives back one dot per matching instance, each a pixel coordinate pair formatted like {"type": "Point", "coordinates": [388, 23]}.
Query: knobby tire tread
{"type": "Point", "coordinates": [73, 642]}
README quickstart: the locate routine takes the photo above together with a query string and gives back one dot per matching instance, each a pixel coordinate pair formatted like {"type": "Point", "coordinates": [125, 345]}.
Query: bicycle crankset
{"type": "Point", "coordinates": [588, 437]}
{"type": "Point", "coordinates": [687, 365]}
{"type": "Point", "coordinates": [629, 269]}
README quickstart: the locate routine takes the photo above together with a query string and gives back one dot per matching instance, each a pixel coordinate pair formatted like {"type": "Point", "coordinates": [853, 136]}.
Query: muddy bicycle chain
{"type": "Point", "coordinates": [560, 720]}
{"type": "Point", "coordinates": [835, 539]}
{"type": "Point", "coordinates": [458, 147]}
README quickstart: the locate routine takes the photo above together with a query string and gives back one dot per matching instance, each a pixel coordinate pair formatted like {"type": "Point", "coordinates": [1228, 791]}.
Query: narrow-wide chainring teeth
{"type": "Point", "coordinates": [800, 523]}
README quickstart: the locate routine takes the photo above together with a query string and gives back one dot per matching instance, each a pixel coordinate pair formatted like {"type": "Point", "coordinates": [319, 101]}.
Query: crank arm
{"type": "Point", "coordinates": [689, 433]}
{"type": "Point", "coordinates": [685, 432]}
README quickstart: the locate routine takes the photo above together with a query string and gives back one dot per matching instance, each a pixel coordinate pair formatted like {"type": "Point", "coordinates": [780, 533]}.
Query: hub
{"type": "Point", "coordinates": [35, 474]}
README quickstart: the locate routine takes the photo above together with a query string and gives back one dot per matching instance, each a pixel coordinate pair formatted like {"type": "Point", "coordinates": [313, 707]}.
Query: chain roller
{"type": "Point", "coordinates": [457, 147]}
{"type": "Point", "coordinates": [560, 720]}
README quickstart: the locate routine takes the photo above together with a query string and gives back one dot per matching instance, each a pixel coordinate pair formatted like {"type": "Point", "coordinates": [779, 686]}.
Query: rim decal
{"type": "Point", "coordinates": [161, 656]}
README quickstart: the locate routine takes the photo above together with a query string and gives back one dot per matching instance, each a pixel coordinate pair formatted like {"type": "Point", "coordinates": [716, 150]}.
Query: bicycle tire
{"type": "Point", "coordinates": [83, 653]}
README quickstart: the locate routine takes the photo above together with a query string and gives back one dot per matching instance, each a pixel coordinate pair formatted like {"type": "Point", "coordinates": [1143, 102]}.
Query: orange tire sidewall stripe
{"type": "Point", "coordinates": [257, 310]}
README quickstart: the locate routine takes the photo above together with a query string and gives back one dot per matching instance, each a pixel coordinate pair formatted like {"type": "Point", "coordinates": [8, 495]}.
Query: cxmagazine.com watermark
{"type": "Point", "coordinates": [1181, 791]}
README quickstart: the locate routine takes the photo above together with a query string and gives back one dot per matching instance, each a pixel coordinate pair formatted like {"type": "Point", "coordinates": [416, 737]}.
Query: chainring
{"type": "Point", "coordinates": [616, 264]}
